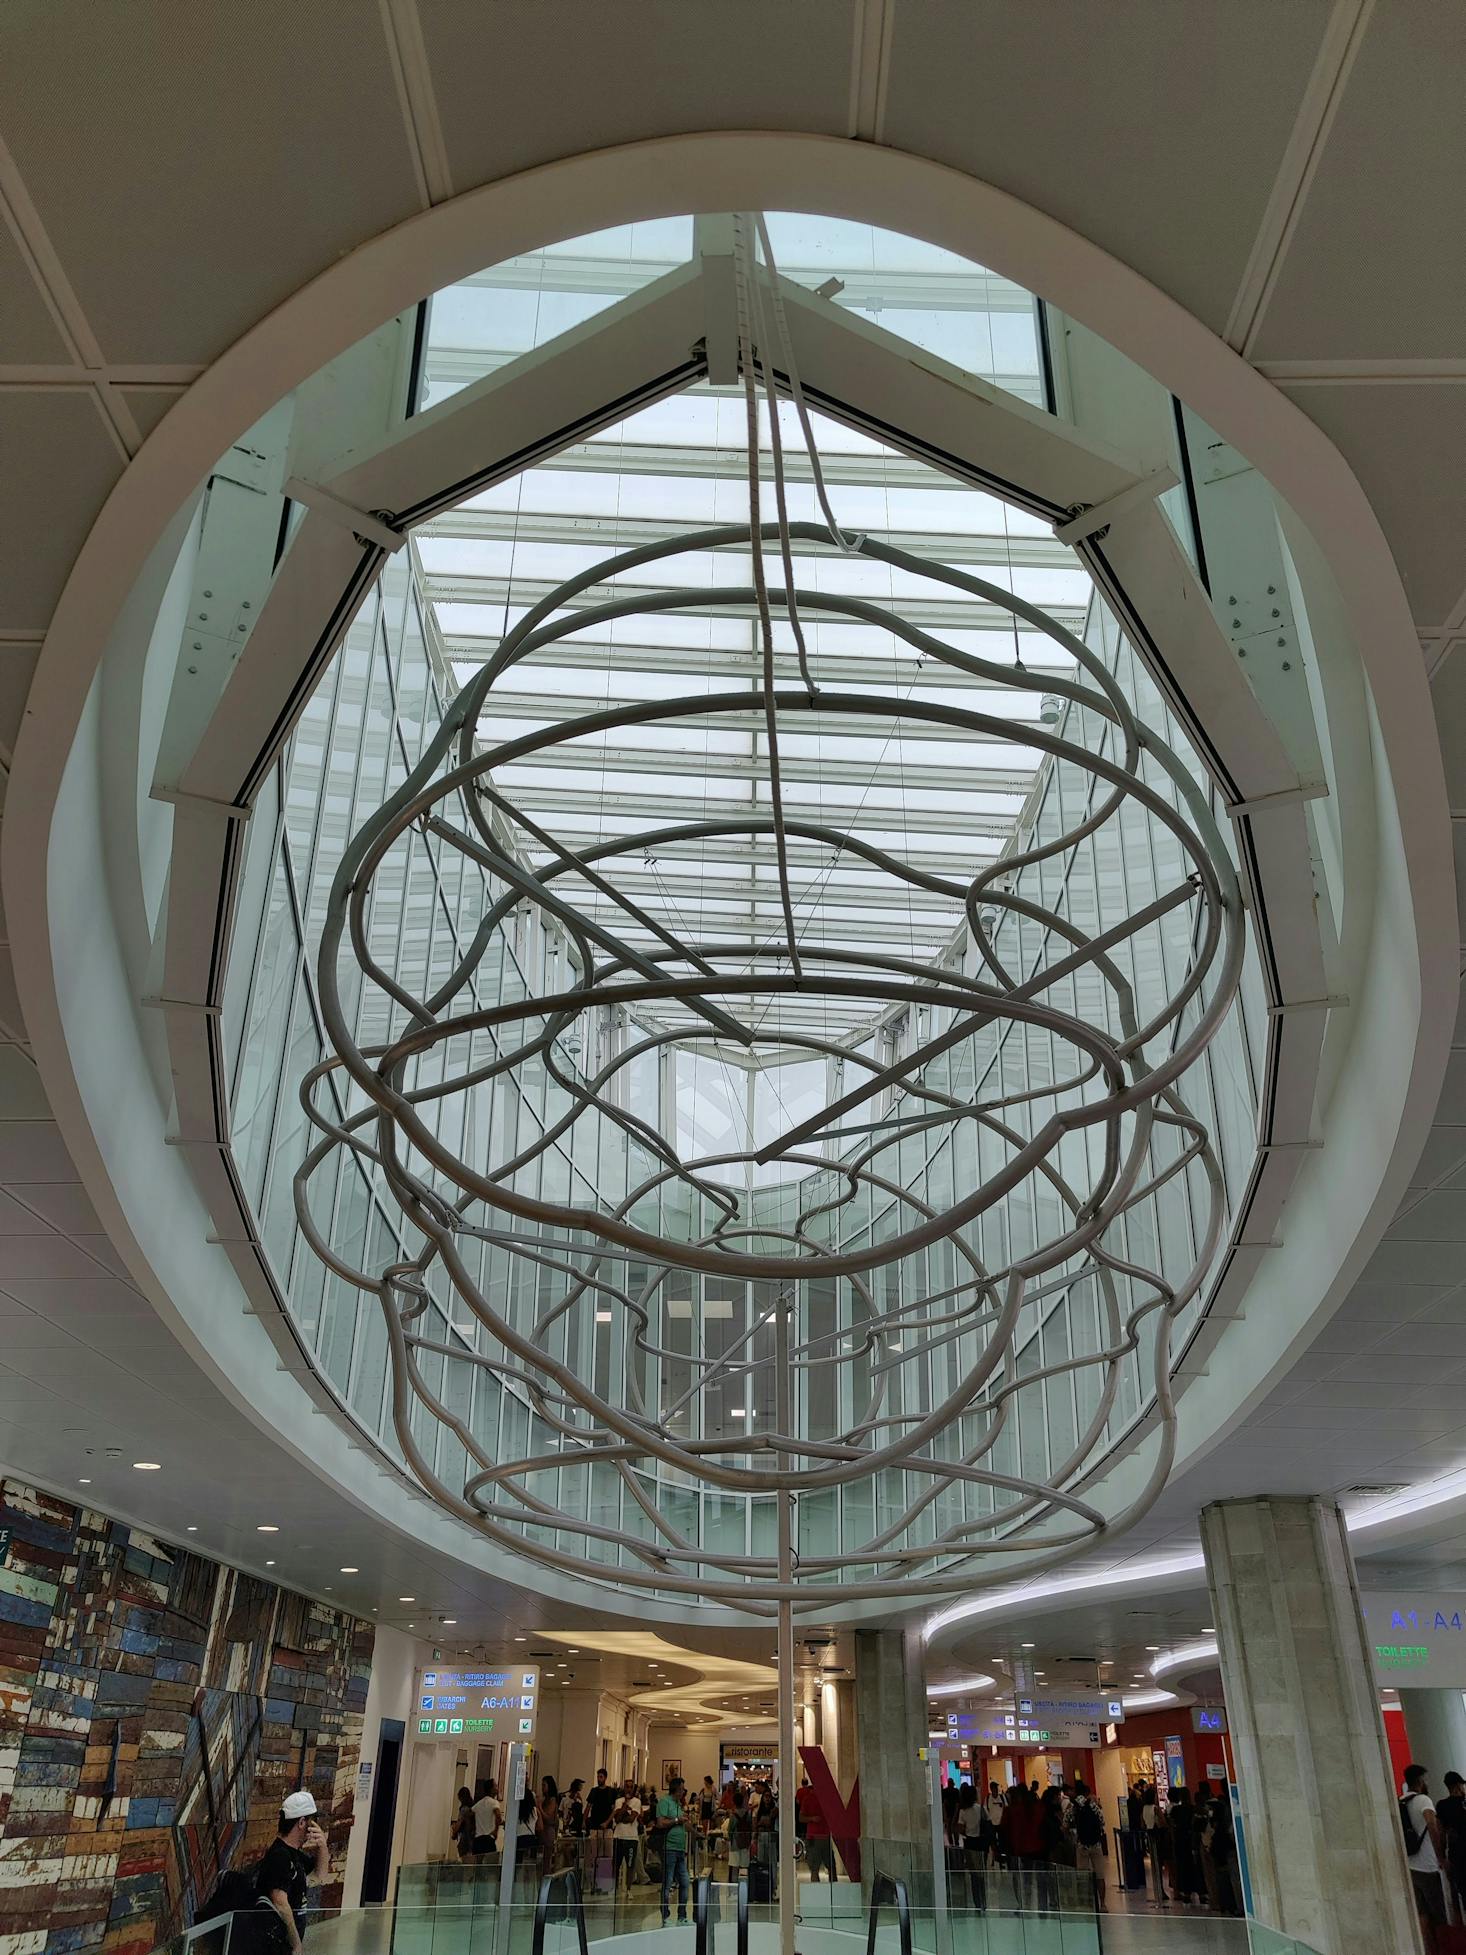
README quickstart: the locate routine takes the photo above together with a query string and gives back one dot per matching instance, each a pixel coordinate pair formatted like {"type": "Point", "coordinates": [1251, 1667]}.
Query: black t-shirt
{"type": "Point", "coordinates": [283, 1870]}
{"type": "Point", "coordinates": [1451, 1813]}
{"type": "Point", "coordinates": [600, 1803]}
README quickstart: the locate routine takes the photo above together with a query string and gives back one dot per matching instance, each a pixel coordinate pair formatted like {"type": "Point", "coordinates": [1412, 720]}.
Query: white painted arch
{"type": "Point", "coordinates": [1405, 1035]}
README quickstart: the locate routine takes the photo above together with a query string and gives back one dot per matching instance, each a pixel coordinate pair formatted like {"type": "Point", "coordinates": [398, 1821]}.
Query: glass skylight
{"type": "Point", "coordinates": [948, 802]}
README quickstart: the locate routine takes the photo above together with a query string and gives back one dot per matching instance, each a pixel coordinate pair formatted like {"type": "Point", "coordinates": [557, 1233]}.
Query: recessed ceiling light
{"type": "Point", "coordinates": [351, 1571]}
{"type": "Point", "coordinates": [603, 1316]}
{"type": "Point", "coordinates": [192, 1529]}
{"type": "Point", "coordinates": [269, 1564]}
{"type": "Point", "coordinates": [519, 1639]}
{"type": "Point", "coordinates": [267, 1527]}
{"type": "Point", "coordinates": [1154, 1648]}
{"type": "Point", "coordinates": [1029, 1646]}
{"type": "Point", "coordinates": [146, 1466]}
{"type": "Point", "coordinates": [407, 1598]}
{"type": "Point", "coordinates": [450, 1622]}
{"type": "Point", "coordinates": [1208, 1632]}
{"type": "Point", "coordinates": [83, 1483]}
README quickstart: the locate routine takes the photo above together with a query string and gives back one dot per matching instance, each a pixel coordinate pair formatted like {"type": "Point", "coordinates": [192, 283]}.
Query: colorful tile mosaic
{"type": "Point", "coordinates": [155, 1708]}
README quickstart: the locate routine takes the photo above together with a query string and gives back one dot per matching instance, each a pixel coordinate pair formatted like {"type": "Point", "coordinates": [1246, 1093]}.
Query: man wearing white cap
{"type": "Point", "coordinates": [299, 1853]}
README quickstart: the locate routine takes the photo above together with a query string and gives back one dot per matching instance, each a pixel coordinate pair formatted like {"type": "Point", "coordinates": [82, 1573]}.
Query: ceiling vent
{"type": "Point", "coordinates": [1383, 1492]}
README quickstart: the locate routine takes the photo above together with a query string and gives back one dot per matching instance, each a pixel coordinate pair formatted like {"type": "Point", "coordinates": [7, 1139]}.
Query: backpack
{"type": "Point", "coordinates": [1414, 1839]}
{"type": "Point", "coordinates": [1089, 1825]}
{"type": "Point", "coordinates": [235, 1892]}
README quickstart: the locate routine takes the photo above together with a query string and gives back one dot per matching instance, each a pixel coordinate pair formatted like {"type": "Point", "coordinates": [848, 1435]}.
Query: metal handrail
{"type": "Point", "coordinates": [883, 1888]}
{"type": "Point", "coordinates": [702, 1894]}
{"type": "Point", "coordinates": [571, 1878]}
{"type": "Point", "coordinates": [743, 1913]}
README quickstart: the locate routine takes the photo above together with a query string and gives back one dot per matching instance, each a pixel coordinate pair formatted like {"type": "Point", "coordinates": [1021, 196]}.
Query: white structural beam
{"type": "Point", "coordinates": [865, 469]}
{"type": "Point", "coordinates": [901, 668]}
{"type": "Point", "coordinates": [964, 289]}
{"type": "Point", "coordinates": [607, 533]}
{"type": "Point", "coordinates": [937, 614]}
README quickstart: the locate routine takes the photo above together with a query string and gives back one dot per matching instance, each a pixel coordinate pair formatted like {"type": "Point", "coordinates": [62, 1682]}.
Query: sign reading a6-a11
{"type": "Point", "coordinates": [1076, 1707]}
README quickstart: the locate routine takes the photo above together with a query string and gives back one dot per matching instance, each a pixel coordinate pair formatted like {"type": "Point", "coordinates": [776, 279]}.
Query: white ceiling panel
{"type": "Point", "coordinates": [62, 1205]}
{"type": "Point", "coordinates": [1444, 1152]}
{"type": "Point", "coordinates": [510, 97]}
{"type": "Point", "coordinates": [1433, 1218]}
{"type": "Point", "coordinates": [32, 1150]}
{"type": "Point", "coordinates": [1406, 1362]}
{"type": "Point", "coordinates": [1404, 441]}
{"type": "Point", "coordinates": [1073, 108]}
{"type": "Point", "coordinates": [17, 1219]}
{"type": "Point", "coordinates": [48, 504]}
{"type": "Point", "coordinates": [148, 405]}
{"type": "Point", "coordinates": [40, 1256]}
{"type": "Point", "coordinates": [1437, 1264]}
{"type": "Point", "coordinates": [96, 1294]}
{"type": "Point", "coordinates": [1449, 1309]}
{"type": "Point", "coordinates": [252, 144]}
{"type": "Point", "coordinates": [29, 334]}
{"type": "Point", "coordinates": [1388, 198]}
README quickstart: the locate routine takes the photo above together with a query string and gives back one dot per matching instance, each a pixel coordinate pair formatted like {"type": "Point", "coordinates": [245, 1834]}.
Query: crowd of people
{"type": "Point", "coordinates": [622, 1837]}
{"type": "Point", "coordinates": [1028, 1836]}
{"type": "Point", "coordinates": [629, 1836]}
{"type": "Point", "coordinates": [1435, 1848]}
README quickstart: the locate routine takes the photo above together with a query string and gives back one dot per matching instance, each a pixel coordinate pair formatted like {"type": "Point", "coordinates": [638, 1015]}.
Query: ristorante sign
{"type": "Point", "coordinates": [498, 1703]}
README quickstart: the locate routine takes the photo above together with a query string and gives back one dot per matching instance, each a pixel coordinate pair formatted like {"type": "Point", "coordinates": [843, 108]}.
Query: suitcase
{"type": "Point", "coordinates": [760, 1885]}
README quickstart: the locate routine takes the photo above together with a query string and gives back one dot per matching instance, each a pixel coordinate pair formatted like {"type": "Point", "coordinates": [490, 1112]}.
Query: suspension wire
{"type": "Point", "coordinates": [848, 543]}
{"type": "Point", "coordinates": [744, 270]}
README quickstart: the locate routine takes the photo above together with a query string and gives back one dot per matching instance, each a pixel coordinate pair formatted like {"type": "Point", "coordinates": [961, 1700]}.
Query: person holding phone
{"type": "Point", "coordinates": [299, 1854]}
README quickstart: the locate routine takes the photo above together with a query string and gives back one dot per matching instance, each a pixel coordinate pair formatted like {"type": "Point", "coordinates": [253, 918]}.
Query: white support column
{"type": "Point", "coordinates": [1324, 1848]}
{"type": "Point", "coordinates": [1435, 1724]}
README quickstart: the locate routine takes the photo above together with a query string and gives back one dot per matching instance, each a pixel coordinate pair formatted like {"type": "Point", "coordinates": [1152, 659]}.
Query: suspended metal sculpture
{"type": "Point", "coordinates": [612, 1265]}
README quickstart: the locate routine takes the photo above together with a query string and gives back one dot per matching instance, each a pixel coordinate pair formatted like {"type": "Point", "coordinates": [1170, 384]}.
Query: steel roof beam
{"type": "Point", "coordinates": [591, 761]}
{"type": "Point", "coordinates": [672, 807]}
{"type": "Point", "coordinates": [563, 707]}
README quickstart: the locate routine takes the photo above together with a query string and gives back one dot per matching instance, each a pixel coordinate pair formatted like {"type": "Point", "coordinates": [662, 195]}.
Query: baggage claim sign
{"type": "Point", "coordinates": [497, 1704]}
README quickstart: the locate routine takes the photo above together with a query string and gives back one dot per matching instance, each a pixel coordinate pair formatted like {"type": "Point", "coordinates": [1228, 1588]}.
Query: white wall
{"type": "Point", "coordinates": [698, 1751]}
{"type": "Point", "coordinates": [389, 1694]}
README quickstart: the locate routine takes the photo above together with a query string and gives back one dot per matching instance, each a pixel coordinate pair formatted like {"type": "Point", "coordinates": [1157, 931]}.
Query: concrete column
{"type": "Point", "coordinates": [1324, 1848]}
{"type": "Point", "coordinates": [891, 1732]}
{"type": "Point", "coordinates": [1435, 1724]}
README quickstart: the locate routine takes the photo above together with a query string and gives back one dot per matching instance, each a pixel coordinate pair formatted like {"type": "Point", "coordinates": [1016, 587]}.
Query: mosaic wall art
{"type": "Point", "coordinates": [155, 1708]}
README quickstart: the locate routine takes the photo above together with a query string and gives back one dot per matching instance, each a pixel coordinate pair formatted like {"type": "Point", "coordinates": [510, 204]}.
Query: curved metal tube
{"type": "Point", "coordinates": [924, 1356]}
